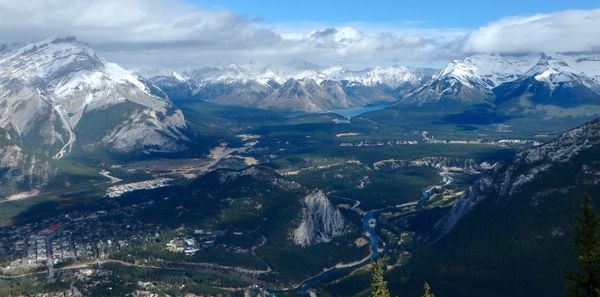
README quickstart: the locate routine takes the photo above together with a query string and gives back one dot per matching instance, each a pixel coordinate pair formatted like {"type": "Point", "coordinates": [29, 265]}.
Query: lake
{"type": "Point", "coordinates": [356, 111]}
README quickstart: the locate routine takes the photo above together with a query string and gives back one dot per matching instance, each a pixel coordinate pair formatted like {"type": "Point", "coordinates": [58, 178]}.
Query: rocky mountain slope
{"type": "Point", "coordinates": [511, 233]}
{"type": "Point", "coordinates": [58, 95]}
{"type": "Point", "coordinates": [471, 80]}
{"type": "Point", "coordinates": [574, 156]}
{"type": "Point", "coordinates": [20, 170]}
{"type": "Point", "coordinates": [319, 220]}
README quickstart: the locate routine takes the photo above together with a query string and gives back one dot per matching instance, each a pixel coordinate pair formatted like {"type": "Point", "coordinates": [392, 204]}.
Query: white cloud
{"type": "Point", "coordinates": [111, 21]}
{"type": "Point", "coordinates": [567, 31]}
{"type": "Point", "coordinates": [176, 34]}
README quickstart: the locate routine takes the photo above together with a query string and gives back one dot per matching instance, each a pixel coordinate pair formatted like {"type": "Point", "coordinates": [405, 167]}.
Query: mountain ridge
{"type": "Point", "coordinates": [508, 179]}
{"type": "Point", "coordinates": [264, 87]}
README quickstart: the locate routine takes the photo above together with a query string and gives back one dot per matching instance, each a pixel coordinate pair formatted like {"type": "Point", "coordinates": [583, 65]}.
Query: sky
{"type": "Point", "coordinates": [165, 35]}
{"type": "Point", "coordinates": [427, 13]}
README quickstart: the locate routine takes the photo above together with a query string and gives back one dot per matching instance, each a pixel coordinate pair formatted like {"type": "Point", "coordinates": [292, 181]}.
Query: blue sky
{"type": "Point", "coordinates": [428, 14]}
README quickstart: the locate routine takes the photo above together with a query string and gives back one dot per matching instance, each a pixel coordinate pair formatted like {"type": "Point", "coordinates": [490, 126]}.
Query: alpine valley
{"type": "Point", "coordinates": [290, 179]}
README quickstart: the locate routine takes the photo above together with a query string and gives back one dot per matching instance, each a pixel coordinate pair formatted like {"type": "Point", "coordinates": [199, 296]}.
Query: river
{"type": "Point", "coordinates": [428, 192]}
{"type": "Point", "coordinates": [369, 224]}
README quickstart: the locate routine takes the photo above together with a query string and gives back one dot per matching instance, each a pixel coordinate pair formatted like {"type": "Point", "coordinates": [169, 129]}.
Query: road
{"type": "Point", "coordinates": [49, 262]}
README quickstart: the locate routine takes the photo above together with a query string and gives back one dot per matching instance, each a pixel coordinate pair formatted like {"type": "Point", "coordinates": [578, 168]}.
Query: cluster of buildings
{"type": "Point", "coordinates": [61, 239]}
{"type": "Point", "coordinates": [182, 245]}
{"type": "Point", "coordinates": [192, 242]}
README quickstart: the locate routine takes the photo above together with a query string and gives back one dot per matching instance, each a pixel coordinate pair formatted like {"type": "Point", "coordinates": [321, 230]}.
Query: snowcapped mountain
{"type": "Point", "coordinates": [551, 81]}
{"type": "Point", "coordinates": [392, 77]}
{"type": "Point", "coordinates": [563, 80]}
{"type": "Point", "coordinates": [487, 71]}
{"type": "Point", "coordinates": [588, 64]}
{"type": "Point", "coordinates": [569, 161]}
{"type": "Point", "coordinates": [297, 86]}
{"type": "Point", "coordinates": [472, 79]}
{"type": "Point", "coordinates": [58, 94]}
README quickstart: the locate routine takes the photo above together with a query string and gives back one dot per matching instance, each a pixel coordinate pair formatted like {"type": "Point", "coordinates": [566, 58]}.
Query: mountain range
{"type": "Point", "coordinates": [299, 87]}
{"type": "Point", "coordinates": [55, 84]}
{"type": "Point", "coordinates": [562, 80]}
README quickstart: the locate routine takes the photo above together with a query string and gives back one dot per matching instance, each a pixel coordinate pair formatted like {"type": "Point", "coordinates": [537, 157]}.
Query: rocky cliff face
{"type": "Point", "coordinates": [577, 150]}
{"type": "Point", "coordinates": [19, 170]}
{"type": "Point", "coordinates": [320, 221]}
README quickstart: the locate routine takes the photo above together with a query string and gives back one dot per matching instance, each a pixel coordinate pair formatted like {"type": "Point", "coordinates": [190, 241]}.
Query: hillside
{"type": "Point", "coordinates": [510, 233]}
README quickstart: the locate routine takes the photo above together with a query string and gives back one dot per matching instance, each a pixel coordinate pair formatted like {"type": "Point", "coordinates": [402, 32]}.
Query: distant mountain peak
{"type": "Point", "coordinates": [552, 69]}
{"type": "Point", "coordinates": [546, 78]}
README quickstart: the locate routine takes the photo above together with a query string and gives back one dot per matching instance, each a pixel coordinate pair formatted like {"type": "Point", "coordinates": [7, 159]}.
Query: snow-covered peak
{"type": "Point", "coordinates": [50, 59]}
{"type": "Point", "coordinates": [64, 64]}
{"type": "Point", "coordinates": [222, 74]}
{"type": "Point", "coordinates": [392, 76]}
{"type": "Point", "coordinates": [60, 80]}
{"type": "Point", "coordinates": [553, 70]}
{"type": "Point", "coordinates": [179, 77]}
{"type": "Point", "coordinates": [487, 70]}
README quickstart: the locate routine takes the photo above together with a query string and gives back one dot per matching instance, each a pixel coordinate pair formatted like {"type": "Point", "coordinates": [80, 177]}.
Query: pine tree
{"type": "Point", "coordinates": [427, 290]}
{"type": "Point", "coordinates": [378, 284]}
{"type": "Point", "coordinates": [586, 281]}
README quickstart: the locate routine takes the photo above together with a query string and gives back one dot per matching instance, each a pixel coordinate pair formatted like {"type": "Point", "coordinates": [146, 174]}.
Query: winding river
{"type": "Point", "coordinates": [369, 224]}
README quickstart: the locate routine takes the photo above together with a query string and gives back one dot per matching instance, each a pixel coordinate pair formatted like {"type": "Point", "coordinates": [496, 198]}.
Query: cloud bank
{"type": "Point", "coordinates": [567, 31]}
{"type": "Point", "coordinates": [176, 34]}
